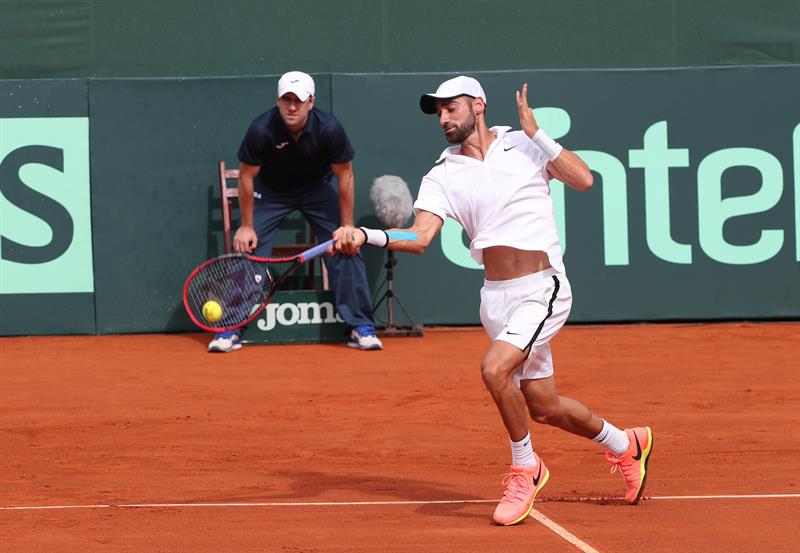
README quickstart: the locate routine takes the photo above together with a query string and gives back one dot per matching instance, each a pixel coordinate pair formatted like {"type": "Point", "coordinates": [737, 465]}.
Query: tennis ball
{"type": "Point", "coordinates": [212, 311]}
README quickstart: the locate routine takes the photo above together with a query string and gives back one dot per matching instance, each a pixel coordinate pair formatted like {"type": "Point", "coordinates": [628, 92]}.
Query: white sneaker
{"type": "Point", "coordinates": [224, 342]}
{"type": "Point", "coordinates": [363, 337]}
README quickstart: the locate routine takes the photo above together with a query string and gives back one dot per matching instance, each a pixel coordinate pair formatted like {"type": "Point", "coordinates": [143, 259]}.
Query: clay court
{"type": "Point", "coordinates": [148, 443]}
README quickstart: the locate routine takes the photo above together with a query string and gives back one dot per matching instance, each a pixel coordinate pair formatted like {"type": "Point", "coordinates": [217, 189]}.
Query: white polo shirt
{"type": "Point", "coordinates": [503, 200]}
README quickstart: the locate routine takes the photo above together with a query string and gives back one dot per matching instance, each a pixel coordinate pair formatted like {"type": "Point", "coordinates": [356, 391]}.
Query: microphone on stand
{"type": "Point", "coordinates": [392, 201]}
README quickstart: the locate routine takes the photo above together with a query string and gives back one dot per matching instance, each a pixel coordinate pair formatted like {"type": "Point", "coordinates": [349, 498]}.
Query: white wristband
{"type": "Point", "coordinates": [375, 237]}
{"type": "Point", "coordinates": [550, 147]}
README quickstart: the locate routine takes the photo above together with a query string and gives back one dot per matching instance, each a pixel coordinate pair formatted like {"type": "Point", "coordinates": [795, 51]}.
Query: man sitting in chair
{"type": "Point", "coordinates": [296, 157]}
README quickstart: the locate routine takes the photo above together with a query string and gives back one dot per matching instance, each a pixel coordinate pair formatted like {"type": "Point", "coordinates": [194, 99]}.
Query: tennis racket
{"type": "Point", "coordinates": [240, 284]}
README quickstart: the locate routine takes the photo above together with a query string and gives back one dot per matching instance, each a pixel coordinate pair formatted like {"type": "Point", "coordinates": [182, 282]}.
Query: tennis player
{"type": "Point", "coordinates": [495, 183]}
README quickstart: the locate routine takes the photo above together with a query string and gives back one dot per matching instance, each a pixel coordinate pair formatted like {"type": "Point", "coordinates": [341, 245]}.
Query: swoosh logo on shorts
{"type": "Point", "coordinates": [513, 333]}
{"type": "Point", "coordinates": [638, 455]}
{"type": "Point", "coordinates": [510, 148]}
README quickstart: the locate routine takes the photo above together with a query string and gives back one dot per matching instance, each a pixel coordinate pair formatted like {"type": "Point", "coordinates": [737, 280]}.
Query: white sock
{"type": "Point", "coordinates": [522, 452]}
{"type": "Point", "coordinates": [613, 439]}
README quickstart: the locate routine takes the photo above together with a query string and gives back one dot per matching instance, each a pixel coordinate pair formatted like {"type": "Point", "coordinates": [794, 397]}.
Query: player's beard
{"type": "Point", "coordinates": [463, 130]}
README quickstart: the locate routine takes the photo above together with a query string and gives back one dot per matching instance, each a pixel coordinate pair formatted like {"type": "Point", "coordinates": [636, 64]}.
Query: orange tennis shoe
{"type": "Point", "coordinates": [632, 464]}
{"type": "Point", "coordinates": [522, 484]}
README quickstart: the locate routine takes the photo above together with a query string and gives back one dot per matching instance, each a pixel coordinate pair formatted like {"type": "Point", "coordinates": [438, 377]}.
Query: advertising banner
{"type": "Point", "coordinates": [46, 261]}
{"type": "Point", "coordinates": [297, 316]}
{"type": "Point", "coordinates": [695, 209]}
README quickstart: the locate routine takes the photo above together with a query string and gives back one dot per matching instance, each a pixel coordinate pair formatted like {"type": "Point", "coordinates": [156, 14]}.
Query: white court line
{"type": "Point", "coordinates": [42, 507]}
{"type": "Point", "coordinates": [562, 532]}
{"type": "Point", "coordinates": [309, 503]}
{"type": "Point", "coordinates": [663, 497]}
{"type": "Point", "coordinates": [744, 496]}
{"type": "Point", "coordinates": [367, 503]}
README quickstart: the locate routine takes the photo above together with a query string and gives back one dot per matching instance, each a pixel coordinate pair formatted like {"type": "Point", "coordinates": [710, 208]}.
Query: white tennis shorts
{"type": "Point", "coordinates": [527, 312]}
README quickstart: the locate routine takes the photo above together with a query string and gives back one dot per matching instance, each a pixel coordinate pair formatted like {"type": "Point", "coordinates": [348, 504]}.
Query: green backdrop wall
{"type": "Point", "coordinates": [154, 174]}
{"type": "Point", "coordinates": [694, 214]}
{"type": "Point", "coordinates": [181, 38]}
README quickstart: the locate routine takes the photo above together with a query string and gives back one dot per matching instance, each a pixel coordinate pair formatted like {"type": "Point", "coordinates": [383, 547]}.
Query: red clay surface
{"type": "Point", "coordinates": [153, 419]}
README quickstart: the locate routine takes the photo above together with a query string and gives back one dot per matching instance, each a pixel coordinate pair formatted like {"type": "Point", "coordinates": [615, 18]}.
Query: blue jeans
{"type": "Point", "coordinates": [319, 204]}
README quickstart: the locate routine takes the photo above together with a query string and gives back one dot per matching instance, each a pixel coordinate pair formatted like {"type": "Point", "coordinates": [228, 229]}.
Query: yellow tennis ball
{"type": "Point", "coordinates": [212, 311]}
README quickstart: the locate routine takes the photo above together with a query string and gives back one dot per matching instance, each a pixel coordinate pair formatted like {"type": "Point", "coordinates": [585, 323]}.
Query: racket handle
{"type": "Point", "coordinates": [315, 252]}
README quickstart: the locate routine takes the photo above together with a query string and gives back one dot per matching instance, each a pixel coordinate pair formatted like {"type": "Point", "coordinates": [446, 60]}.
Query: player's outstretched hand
{"type": "Point", "coordinates": [347, 240]}
{"type": "Point", "coordinates": [526, 119]}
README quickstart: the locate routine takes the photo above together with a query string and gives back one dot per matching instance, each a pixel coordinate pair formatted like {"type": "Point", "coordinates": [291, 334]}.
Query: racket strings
{"type": "Point", "coordinates": [237, 283]}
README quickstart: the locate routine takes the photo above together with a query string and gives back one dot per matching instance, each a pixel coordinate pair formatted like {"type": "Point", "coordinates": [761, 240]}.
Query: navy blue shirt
{"type": "Point", "coordinates": [286, 163]}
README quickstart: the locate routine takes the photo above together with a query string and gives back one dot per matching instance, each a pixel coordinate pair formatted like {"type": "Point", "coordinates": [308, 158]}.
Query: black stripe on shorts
{"type": "Point", "coordinates": [549, 312]}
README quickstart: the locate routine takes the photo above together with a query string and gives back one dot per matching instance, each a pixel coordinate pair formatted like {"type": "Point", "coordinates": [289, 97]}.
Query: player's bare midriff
{"type": "Point", "coordinates": [505, 262]}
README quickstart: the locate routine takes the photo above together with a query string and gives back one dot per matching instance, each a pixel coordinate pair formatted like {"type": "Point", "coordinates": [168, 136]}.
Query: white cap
{"type": "Point", "coordinates": [298, 82]}
{"type": "Point", "coordinates": [459, 86]}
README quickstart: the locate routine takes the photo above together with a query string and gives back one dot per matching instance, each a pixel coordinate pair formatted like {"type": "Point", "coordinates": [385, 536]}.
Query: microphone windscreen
{"type": "Point", "coordinates": [392, 201]}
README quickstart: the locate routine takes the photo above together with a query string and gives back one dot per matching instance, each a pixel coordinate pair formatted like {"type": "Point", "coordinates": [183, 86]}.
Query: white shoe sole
{"type": "Point", "coordinates": [370, 348]}
{"type": "Point", "coordinates": [215, 349]}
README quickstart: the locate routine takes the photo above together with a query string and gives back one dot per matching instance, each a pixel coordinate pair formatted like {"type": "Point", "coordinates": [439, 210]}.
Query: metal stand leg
{"type": "Point", "coordinates": [389, 327]}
